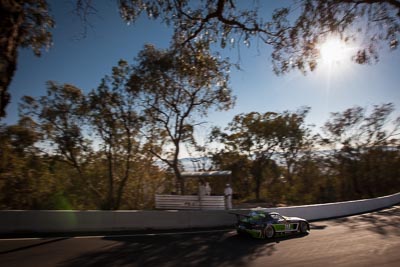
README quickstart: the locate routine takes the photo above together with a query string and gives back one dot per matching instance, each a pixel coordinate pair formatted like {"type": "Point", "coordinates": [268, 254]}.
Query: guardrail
{"type": "Point", "coordinates": [73, 221]}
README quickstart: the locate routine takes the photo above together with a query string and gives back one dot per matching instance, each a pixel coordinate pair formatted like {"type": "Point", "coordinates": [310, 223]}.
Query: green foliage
{"type": "Point", "coordinates": [23, 23]}
{"type": "Point", "coordinates": [358, 142]}
{"type": "Point", "coordinates": [65, 116]}
{"type": "Point", "coordinates": [113, 119]}
{"type": "Point", "coordinates": [134, 114]}
{"type": "Point", "coordinates": [240, 165]}
{"type": "Point", "coordinates": [176, 88]}
{"type": "Point", "coordinates": [24, 178]}
{"type": "Point", "coordinates": [60, 116]}
{"type": "Point", "coordinates": [294, 31]}
{"type": "Point", "coordinates": [261, 137]}
{"type": "Point", "coordinates": [357, 155]}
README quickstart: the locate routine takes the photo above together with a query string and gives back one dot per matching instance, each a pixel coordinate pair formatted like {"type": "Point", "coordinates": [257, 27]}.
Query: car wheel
{"type": "Point", "coordinates": [303, 227]}
{"type": "Point", "coordinates": [269, 231]}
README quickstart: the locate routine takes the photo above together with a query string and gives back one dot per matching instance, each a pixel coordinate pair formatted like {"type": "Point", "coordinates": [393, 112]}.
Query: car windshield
{"type": "Point", "coordinates": [276, 216]}
{"type": "Point", "coordinates": [255, 215]}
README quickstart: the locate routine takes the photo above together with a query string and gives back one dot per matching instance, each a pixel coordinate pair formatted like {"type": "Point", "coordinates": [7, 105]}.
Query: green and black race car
{"type": "Point", "coordinates": [264, 224]}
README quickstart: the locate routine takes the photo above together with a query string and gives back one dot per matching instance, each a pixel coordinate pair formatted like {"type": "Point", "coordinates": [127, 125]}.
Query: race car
{"type": "Point", "coordinates": [264, 224]}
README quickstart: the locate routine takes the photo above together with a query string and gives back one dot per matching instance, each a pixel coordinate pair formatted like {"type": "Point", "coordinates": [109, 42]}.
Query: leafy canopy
{"type": "Point", "coordinates": [294, 31]}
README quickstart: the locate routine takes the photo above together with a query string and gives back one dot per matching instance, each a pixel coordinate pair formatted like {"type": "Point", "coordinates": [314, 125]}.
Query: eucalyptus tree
{"type": "Point", "coordinates": [256, 136]}
{"type": "Point", "coordinates": [24, 176]}
{"type": "Point", "coordinates": [60, 116]}
{"type": "Point", "coordinates": [357, 140]}
{"type": "Point", "coordinates": [294, 140]}
{"type": "Point", "coordinates": [177, 88]}
{"type": "Point", "coordinates": [241, 167]}
{"type": "Point", "coordinates": [116, 125]}
{"type": "Point", "coordinates": [354, 128]}
{"type": "Point", "coordinates": [23, 23]}
{"type": "Point", "coordinates": [295, 30]}
{"type": "Point", "coordinates": [266, 138]}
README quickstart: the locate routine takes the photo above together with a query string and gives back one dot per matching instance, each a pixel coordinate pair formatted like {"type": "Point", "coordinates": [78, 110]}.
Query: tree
{"type": "Point", "coordinates": [60, 116]}
{"type": "Point", "coordinates": [294, 32]}
{"type": "Point", "coordinates": [24, 176]}
{"type": "Point", "coordinates": [265, 138]}
{"type": "Point", "coordinates": [176, 87]}
{"type": "Point", "coordinates": [240, 165]}
{"type": "Point", "coordinates": [23, 23]}
{"type": "Point", "coordinates": [311, 182]}
{"type": "Point", "coordinates": [294, 139]}
{"type": "Point", "coordinates": [253, 135]}
{"type": "Point", "coordinates": [354, 128]}
{"type": "Point", "coordinates": [357, 140]}
{"type": "Point", "coordinates": [112, 117]}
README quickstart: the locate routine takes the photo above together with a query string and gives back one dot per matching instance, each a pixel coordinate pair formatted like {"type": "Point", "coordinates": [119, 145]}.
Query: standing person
{"type": "Point", "coordinates": [208, 189]}
{"type": "Point", "coordinates": [228, 196]}
{"type": "Point", "coordinates": [202, 189]}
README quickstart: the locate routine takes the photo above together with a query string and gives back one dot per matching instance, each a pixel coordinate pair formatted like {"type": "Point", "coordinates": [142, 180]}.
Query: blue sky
{"type": "Point", "coordinates": [84, 61]}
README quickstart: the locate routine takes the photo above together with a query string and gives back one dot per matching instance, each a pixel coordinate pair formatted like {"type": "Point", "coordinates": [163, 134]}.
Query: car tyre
{"type": "Point", "coordinates": [303, 227]}
{"type": "Point", "coordinates": [269, 232]}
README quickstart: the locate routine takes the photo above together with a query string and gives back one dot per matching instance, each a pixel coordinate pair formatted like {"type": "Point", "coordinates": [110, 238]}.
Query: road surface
{"type": "Point", "coordinates": [371, 239]}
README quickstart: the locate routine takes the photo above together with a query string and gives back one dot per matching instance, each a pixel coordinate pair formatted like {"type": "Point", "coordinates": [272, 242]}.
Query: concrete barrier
{"type": "Point", "coordinates": [339, 209]}
{"type": "Point", "coordinates": [14, 221]}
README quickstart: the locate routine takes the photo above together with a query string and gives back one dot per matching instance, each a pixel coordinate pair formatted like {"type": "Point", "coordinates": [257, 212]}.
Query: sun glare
{"type": "Point", "coordinates": [335, 61]}
{"type": "Point", "coordinates": [334, 51]}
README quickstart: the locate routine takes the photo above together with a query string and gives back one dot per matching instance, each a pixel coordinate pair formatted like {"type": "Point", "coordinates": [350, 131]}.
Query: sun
{"type": "Point", "coordinates": [334, 51]}
{"type": "Point", "coordinates": [335, 60]}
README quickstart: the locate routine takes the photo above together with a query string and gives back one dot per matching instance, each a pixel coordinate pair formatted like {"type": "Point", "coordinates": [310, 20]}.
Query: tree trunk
{"type": "Point", "coordinates": [180, 181]}
{"type": "Point", "coordinates": [110, 196]}
{"type": "Point", "coordinates": [11, 19]}
{"type": "Point", "coordinates": [258, 188]}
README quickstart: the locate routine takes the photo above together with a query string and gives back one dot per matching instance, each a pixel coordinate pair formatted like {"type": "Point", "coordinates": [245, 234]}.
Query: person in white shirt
{"type": "Point", "coordinates": [228, 196]}
{"type": "Point", "coordinates": [208, 189]}
{"type": "Point", "coordinates": [202, 189]}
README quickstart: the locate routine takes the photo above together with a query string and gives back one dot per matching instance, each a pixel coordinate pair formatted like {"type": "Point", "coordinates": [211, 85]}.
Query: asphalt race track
{"type": "Point", "coordinates": [371, 239]}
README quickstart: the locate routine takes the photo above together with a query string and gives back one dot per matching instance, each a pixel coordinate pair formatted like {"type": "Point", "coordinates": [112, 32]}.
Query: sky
{"type": "Point", "coordinates": [83, 61]}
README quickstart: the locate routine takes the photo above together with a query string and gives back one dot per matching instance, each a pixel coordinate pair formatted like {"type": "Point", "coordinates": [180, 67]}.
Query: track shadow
{"type": "Point", "coordinates": [216, 249]}
{"type": "Point", "coordinates": [317, 227]}
{"type": "Point", "coordinates": [384, 222]}
{"type": "Point", "coordinates": [45, 242]}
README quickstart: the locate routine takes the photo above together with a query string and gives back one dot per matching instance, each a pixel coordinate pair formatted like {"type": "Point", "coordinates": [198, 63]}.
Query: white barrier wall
{"type": "Point", "coordinates": [339, 209]}
{"type": "Point", "coordinates": [73, 221]}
